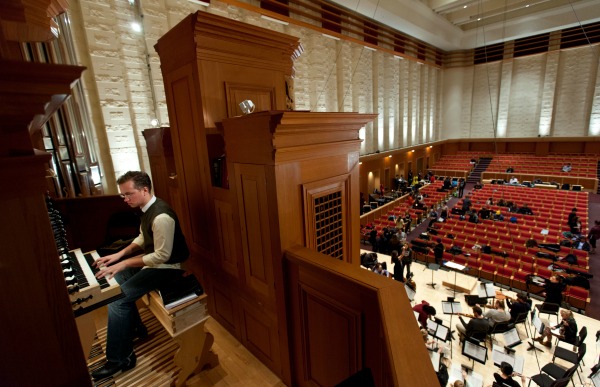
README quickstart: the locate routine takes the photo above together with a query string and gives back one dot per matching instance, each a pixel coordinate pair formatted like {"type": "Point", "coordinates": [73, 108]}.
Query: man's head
{"type": "Point", "coordinates": [506, 368]}
{"type": "Point", "coordinates": [136, 188]}
{"type": "Point", "coordinates": [500, 304]}
{"type": "Point", "coordinates": [477, 311]}
{"type": "Point", "coordinates": [430, 310]}
{"type": "Point", "coordinates": [521, 297]}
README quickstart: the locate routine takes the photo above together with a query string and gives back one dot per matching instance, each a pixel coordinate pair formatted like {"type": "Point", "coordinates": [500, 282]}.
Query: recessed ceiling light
{"type": "Point", "coordinates": [136, 26]}
{"type": "Point", "coordinates": [527, 6]}
{"type": "Point", "coordinates": [478, 19]}
{"type": "Point", "coordinates": [464, 6]}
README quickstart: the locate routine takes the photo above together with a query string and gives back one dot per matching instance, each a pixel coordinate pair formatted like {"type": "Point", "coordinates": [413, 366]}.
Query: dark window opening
{"type": "Point", "coordinates": [277, 6]}
{"type": "Point", "coordinates": [532, 45]}
{"type": "Point", "coordinates": [331, 19]}
{"type": "Point", "coordinates": [489, 53]}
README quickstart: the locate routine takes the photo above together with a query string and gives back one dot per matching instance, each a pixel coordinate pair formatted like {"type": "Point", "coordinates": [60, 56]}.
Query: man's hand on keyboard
{"type": "Point", "coordinates": [110, 271]}
{"type": "Point", "coordinates": [107, 261]}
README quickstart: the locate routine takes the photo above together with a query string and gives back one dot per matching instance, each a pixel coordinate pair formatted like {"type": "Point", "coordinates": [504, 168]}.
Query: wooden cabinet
{"type": "Point", "coordinates": [291, 176]}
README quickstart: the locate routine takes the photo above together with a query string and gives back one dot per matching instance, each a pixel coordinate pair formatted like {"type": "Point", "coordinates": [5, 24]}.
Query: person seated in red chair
{"type": "Point", "coordinates": [566, 330]}
{"type": "Point", "coordinates": [567, 167]}
{"type": "Point", "coordinates": [582, 244]}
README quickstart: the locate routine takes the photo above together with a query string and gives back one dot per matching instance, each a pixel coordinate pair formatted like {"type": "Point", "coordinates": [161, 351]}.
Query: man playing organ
{"type": "Point", "coordinates": [163, 248]}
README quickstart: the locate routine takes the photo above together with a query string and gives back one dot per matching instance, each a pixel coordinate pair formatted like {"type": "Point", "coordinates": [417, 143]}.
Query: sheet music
{"type": "Point", "coordinates": [596, 379]}
{"type": "Point", "coordinates": [511, 337]}
{"type": "Point", "coordinates": [474, 351]}
{"type": "Point", "coordinates": [486, 290]}
{"type": "Point", "coordinates": [454, 266]}
{"type": "Point", "coordinates": [474, 379]}
{"type": "Point", "coordinates": [451, 307]}
{"type": "Point", "coordinates": [555, 331]}
{"type": "Point", "coordinates": [441, 332]}
{"type": "Point", "coordinates": [431, 327]}
{"type": "Point", "coordinates": [499, 355]}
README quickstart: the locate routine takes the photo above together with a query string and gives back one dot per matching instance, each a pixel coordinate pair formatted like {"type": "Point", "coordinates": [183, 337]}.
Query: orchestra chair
{"type": "Point", "coordinates": [573, 357]}
{"type": "Point", "coordinates": [553, 376]}
{"type": "Point", "coordinates": [549, 309]}
{"type": "Point", "coordinates": [499, 327]}
{"type": "Point", "coordinates": [522, 319]}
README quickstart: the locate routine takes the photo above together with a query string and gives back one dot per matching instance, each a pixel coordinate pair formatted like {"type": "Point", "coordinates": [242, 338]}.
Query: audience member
{"type": "Point", "coordinates": [378, 269]}
{"type": "Point", "coordinates": [461, 187]}
{"type": "Point", "coordinates": [571, 221]}
{"type": "Point", "coordinates": [510, 170]}
{"type": "Point", "coordinates": [594, 235]}
{"type": "Point", "coordinates": [567, 167]}
{"type": "Point", "coordinates": [484, 213]}
{"type": "Point", "coordinates": [425, 311]}
{"type": "Point", "coordinates": [582, 244]}
{"type": "Point", "coordinates": [438, 251]}
{"type": "Point", "coordinates": [489, 202]}
{"type": "Point", "coordinates": [444, 211]}
{"type": "Point", "coordinates": [566, 330]}
{"type": "Point", "coordinates": [513, 180]}
{"type": "Point", "coordinates": [397, 266]}
{"type": "Point", "coordinates": [537, 180]}
{"type": "Point", "coordinates": [466, 204]}
{"type": "Point", "coordinates": [525, 210]}
{"type": "Point", "coordinates": [498, 216]}
{"type": "Point", "coordinates": [406, 257]}
{"type": "Point", "coordinates": [478, 185]}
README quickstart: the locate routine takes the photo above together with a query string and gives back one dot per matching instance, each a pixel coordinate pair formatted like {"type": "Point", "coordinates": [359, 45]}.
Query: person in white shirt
{"type": "Point", "coordinates": [514, 180]}
{"type": "Point", "coordinates": [567, 167]}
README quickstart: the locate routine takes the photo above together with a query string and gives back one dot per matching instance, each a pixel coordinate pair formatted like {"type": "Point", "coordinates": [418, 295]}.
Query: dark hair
{"type": "Point", "coordinates": [506, 368]}
{"type": "Point", "coordinates": [477, 310]}
{"type": "Point", "coordinates": [140, 179]}
{"type": "Point", "coordinates": [430, 310]}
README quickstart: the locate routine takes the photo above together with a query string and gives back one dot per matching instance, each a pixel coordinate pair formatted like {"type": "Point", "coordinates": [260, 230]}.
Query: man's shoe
{"type": "Point", "coordinates": [111, 368]}
{"type": "Point", "coordinates": [141, 332]}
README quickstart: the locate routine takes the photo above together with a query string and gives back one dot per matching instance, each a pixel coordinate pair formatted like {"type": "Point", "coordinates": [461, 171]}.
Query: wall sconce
{"type": "Point", "coordinates": [155, 122]}
{"type": "Point", "coordinates": [412, 151]}
{"type": "Point", "coordinates": [247, 106]}
{"type": "Point", "coordinates": [390, 156]}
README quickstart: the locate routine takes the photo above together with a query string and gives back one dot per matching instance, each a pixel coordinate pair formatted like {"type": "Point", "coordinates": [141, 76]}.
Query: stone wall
{"type": "Point", "coordinates": [547, 94]}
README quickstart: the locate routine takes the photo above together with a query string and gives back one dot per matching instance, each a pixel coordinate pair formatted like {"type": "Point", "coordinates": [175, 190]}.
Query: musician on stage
{"type": "Point", "coordinates": [163, 248]}
{"type": "Point", "coordinates": [567, 330]}
{"type": "Point", "coordinates": [553, 289]}
{"type": "Point", "coordinates": [478, 325]}
{"type": "Point", "coordinates": [505, 377]}
{"type": "Point", "coordinates": [518, 306]}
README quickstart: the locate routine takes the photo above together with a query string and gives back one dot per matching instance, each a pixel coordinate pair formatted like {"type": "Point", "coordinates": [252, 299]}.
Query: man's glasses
{"type": "Point", "coordinates": [127, 195]}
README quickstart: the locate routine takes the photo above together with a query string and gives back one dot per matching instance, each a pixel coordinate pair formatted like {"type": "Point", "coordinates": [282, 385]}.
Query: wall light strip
{"type": "Point", "coordinates": [274, 20]}
{"type": "Point", "coordinates": [399, 57]}
{"type": "Point", "coordinates": [370, 48]}
{"type": "Point", "coordinates": [200, 2]}
{"type": "Point", "coordinates": [331, 37]}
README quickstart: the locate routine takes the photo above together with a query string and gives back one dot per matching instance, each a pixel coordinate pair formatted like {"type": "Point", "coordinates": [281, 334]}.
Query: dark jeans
{"type": "Point", "coordinates": [407, 266]}
{"type": "Point", "coordinates": [123, 316]}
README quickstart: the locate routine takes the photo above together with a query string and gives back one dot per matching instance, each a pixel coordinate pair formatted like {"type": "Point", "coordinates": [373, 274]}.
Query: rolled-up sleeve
{"type": "Point", "coordinates": [163, 229]}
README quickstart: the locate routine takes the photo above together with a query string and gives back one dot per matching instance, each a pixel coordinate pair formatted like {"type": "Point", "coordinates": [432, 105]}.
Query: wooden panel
{"type": "Point", "coordinates": [255, 228]}
{"type": "Point", "coordinates": [260, 334]}
{"type": "Point", "coordinates": [226, 235]}
{"type": "Point", "coordinates": [328, 321]}
{"type": "Point", "coordinates": [263, 97]}
{"type": "Point", "coordinates": [222, 307]}
{"type": "Point", "coordinates": [192, 161]}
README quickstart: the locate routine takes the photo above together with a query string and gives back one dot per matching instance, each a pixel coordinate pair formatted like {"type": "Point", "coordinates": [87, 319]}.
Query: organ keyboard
{"type": "Point", "coordinates": [85, 290]}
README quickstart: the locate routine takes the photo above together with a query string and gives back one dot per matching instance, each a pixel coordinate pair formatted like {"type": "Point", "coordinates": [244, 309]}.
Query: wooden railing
{"type": "Point", "coordinates": [344, 319]}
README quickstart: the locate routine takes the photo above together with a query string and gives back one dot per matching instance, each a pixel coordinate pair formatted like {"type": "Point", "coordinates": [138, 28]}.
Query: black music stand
{"type": "Point", "coordinates": [539, 327]}
{"type": "Point", "coordinates": [433, 267]}
{"type": "Point", "coordinates": [475, 351]}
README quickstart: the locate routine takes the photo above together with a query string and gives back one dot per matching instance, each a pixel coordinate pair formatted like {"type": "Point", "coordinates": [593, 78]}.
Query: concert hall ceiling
{"type": "Point", "coordinates": [463, 24]}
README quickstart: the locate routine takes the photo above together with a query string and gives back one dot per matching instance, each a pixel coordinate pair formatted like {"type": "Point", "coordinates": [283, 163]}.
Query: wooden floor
{"type": "Point", "coordinates": [237, 366]}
